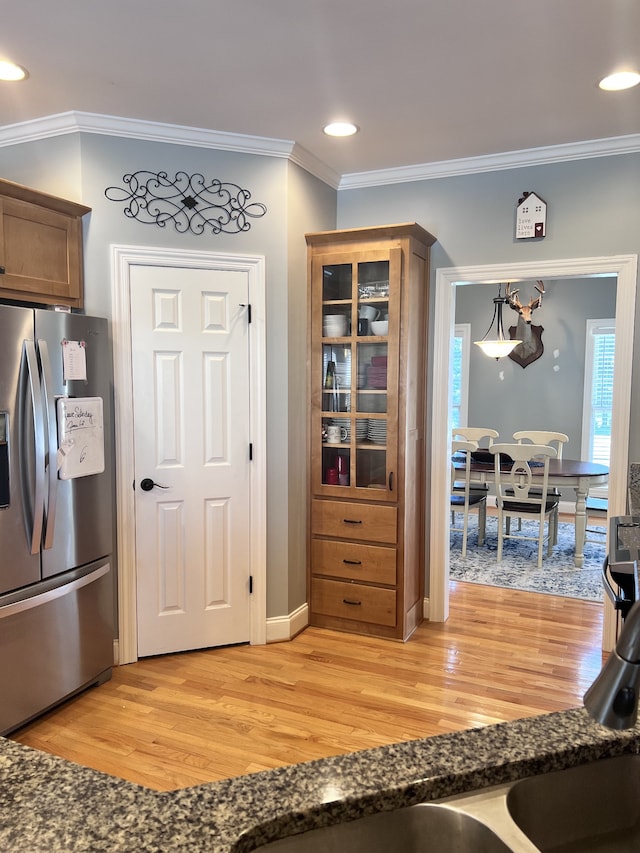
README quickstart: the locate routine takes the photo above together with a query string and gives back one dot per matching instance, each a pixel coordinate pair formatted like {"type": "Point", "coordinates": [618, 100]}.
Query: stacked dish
{"type": "Point", "coordinates": [377, 376]}
{"type": "Point", "coordinates": [377, 431]}
{"type": "Point", "coordinates": [362, 429]}
{"type": "Point", "coordinates": [373, 288]}
{"type": "Point", "coordinates": [379, 288]}
{"type": "Point", "coordinates": [334, 325]}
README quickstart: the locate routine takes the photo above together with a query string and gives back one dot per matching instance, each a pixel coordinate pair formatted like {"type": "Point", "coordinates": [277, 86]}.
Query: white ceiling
{"type": "Point", "coordinates": [425, 80]}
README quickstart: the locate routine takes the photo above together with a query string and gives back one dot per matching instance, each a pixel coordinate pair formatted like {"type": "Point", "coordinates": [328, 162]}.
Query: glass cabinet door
{"type": "Point", "coordinates": [356, 369]}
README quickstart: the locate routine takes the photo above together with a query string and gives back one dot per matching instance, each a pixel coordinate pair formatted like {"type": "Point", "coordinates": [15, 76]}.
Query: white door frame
{"type": "Point", "coordinates": [123, 258]}
{"type": "Point", "coordinates": [625, 267]}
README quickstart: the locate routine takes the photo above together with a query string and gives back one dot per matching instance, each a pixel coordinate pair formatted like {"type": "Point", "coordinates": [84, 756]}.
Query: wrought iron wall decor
{"type": "Point", "coordinates": [188, 201]}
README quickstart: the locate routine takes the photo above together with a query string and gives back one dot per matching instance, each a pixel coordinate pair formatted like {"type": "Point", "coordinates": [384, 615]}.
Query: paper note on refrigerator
{"type": "Point", "coordinates": [74, 360]}
{"type": "Point", "coordinates": [80, 437]}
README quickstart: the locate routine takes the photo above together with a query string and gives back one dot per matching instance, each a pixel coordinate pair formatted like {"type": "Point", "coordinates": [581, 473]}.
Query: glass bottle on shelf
{"type": "Point", "coordinates": [336, 429]}
{"type": "Point", "coordinates": [330, 387]}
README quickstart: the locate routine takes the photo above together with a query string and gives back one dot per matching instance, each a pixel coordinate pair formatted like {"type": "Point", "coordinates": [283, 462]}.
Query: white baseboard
{"type": "Point", "coordinates": [281, 628]}
{"type": "Point", "coordinates": [569, 507]}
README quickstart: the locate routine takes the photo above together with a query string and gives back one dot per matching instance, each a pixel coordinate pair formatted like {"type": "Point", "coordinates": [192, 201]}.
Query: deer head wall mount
{"type": "Point", "coordinates": [525, 311]}
{"type": "Point", "coordinates": [531, 347]}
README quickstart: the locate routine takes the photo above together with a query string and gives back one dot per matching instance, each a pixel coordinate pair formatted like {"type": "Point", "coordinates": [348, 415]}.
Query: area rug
{"type": "Point", "coordinates": [519, 569]}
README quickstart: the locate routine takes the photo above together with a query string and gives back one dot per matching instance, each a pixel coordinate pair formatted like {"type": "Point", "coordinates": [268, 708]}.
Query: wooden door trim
{"type": "Point", "coordinates": [122, 259]}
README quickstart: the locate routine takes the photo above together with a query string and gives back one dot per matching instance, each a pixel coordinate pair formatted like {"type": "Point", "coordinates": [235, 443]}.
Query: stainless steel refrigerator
{"type": "Point", "coordinates": [56, 509]}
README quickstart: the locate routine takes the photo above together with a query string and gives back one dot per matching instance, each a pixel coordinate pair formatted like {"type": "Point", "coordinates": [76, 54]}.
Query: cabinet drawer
{"type": "Point", "coordinates": [368, 522]}
{"type": "Point", "coordinates": [354, 601]}
{"type": "Point", "coordinates": [352, 561]}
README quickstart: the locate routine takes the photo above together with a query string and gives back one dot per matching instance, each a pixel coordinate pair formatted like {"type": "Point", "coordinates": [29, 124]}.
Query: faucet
{"type": "Point", "coordinates": [612, 699]}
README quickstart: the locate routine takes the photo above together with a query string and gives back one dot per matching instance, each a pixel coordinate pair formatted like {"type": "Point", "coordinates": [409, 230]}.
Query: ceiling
{"type": "Point", "coordinates": [425, 80]}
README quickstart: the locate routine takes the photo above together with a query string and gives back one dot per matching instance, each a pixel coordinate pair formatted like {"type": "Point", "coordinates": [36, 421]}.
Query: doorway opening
{"type": "Point", "coordinates": [622, 266]}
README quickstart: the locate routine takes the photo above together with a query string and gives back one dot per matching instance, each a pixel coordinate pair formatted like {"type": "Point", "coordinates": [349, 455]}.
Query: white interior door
{"type": "Point", "coordinates": [191, 370]}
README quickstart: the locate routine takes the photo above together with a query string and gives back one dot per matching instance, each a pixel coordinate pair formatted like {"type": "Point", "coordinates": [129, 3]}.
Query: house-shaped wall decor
{"type": "Point", "coordinates": [531, 216]}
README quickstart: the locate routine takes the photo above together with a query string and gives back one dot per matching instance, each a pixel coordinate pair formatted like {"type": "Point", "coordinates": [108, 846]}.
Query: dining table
{"type": "Point", "coordinates": [563, 473]}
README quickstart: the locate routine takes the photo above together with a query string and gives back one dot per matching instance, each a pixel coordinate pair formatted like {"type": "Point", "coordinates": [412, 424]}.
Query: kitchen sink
{"type": "Point", "coordinates": [424, 827]}
{"type": "Point", "coordinates": [595, 807]}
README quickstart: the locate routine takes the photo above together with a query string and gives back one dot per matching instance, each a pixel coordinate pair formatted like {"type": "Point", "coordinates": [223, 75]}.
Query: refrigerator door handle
{"type": "Point", "coordinates": [35, 535]}
{"type": "Point", "coordinates": [49, 406]}
{"type": "Point", "coordinates": [52, 594]}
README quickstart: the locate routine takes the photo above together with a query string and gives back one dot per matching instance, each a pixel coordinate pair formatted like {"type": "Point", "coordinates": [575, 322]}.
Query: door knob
{"type": "Point", "coordinates": [147, 484]}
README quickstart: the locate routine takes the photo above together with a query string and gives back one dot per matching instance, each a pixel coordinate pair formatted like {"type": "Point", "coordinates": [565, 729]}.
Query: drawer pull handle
{"type": "Point", "coordinates": [353, 562]}
{"type": "Point", "coordinates": [351, 521]}
{"type": "Point", "coordinates": [352, 603]}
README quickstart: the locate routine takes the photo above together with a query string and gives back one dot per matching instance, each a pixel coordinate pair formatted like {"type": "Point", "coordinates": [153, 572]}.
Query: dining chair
{"type": "Point", "coordinates": [553, 439]}
{"type": "Point", "coordinates": [464, 496]}
{"type": "Point", "coordinates": [522, 494]}
{"type": "Point", "coordinates": [476, 434]}
{"type": "Point", "coordinates": [542, 436]}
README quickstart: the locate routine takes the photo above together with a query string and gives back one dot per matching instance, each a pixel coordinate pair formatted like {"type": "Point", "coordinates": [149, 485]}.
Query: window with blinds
{"type": "Point", "coordinates": [459, 374]}
{"type": "Point", "coordinates": [598, 391]}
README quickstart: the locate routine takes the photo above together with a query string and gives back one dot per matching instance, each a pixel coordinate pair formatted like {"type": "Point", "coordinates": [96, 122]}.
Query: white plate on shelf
{"type": "Point", "coordinates": [377, 432]}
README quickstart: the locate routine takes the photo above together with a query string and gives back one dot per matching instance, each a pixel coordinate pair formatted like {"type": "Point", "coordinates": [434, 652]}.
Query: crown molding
{"type": "Point", "coordinates": [81, 122]}
{"type": "Point", "coordinates": [494, 162]}
{"type": "Point", "coordinates": [310, 163]}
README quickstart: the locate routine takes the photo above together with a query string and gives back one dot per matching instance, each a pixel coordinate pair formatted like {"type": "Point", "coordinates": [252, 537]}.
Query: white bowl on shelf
{"type": "Point", "coordinates": [380, 327]}
{"type": "Point", "coordinates": [335, 325]}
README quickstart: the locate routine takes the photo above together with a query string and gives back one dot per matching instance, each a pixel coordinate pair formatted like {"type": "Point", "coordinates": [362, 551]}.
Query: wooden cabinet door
{"type": "Point", "coordinates": [40, 253]}
{"type": "Point", "coordinates": [356, 303]}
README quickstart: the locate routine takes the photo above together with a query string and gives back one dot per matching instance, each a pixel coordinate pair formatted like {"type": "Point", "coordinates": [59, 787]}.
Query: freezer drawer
{"type": "Point", "coordinates": [53, 644]}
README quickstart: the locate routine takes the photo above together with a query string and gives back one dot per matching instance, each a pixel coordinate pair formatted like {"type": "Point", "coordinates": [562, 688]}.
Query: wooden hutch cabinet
{"type": "Point", "coordinates": [367, 381]}
{"type": "Point", "coordinates": [40, 247]}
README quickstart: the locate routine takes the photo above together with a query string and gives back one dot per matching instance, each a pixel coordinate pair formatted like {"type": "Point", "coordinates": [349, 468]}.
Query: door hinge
{"type": "Point", "coordinates": [250, 451]}
{"type": "Point", "coordinates": [247, 305]}
{"type": "Point", "coordinates": [250, 584]}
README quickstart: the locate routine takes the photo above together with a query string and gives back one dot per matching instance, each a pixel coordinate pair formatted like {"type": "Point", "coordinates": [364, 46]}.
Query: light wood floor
{"type": "Point", "coordinates": [183, 719]}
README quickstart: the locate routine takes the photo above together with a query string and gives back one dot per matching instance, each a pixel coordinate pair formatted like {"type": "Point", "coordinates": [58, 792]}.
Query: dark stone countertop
{"type": "Point", "coordinates": [49, 805]}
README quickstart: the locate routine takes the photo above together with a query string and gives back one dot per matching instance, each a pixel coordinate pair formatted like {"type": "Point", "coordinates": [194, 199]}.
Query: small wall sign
{"type": "Point", "coordinates": [531, 216]}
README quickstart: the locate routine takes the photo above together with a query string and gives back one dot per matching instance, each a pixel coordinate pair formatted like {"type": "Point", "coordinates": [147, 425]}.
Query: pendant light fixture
{"type": "Point", "coordinates": [497, 345]}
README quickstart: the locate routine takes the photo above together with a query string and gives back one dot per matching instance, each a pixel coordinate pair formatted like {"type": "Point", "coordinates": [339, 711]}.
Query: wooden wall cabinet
{"type": "Point", "coordinates": [40, 247]}
{"type": "Point", "coordinates": [366, 428]}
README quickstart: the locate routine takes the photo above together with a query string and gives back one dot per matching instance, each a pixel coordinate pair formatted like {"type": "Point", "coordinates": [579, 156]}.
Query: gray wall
{"type": "Point", "coordinates": [593, 210]}
{"type": "Point", "coordinates": [547, 394]}
{"type": "Point", "coordinates": [81, 167]}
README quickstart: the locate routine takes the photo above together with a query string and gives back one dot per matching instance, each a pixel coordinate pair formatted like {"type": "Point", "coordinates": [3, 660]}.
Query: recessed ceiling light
{"type": "Point", "coordinates": [620, 80]}
{"type": "Point", "coordinates": [340, 128]}
{"type": "Point", "coordinates": [11, 72]}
